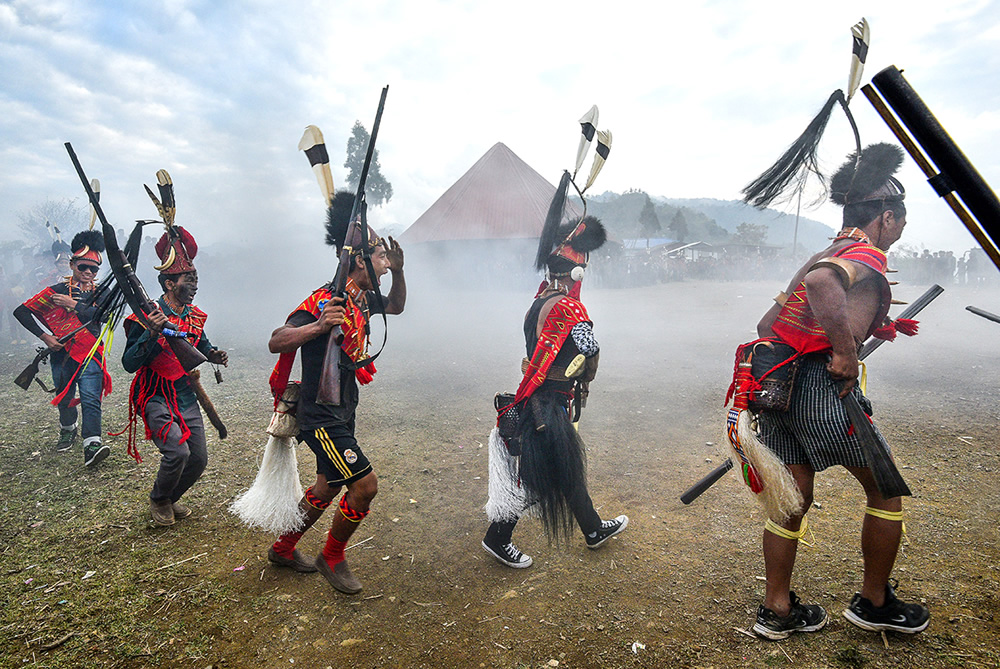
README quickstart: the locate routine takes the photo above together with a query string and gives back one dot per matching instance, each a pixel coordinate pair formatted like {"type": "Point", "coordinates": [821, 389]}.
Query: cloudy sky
{"type": "Point", "coordinates": [701, 96]}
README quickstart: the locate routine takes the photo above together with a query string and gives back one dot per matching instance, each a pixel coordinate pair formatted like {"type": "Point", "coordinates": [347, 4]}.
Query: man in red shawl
{"type": "Point", "coordinates": [539, 465]}
{"type": "Point", "coordinates": [329, 429]}
{"type": "Point", "coordinates": [161, 392]}
{"type": "Point", "coordinates": [79, 361]}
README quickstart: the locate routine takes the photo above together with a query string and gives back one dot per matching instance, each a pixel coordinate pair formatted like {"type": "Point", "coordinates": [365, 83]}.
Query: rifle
{"type": "Point", "coordinates": [985, 314]}
{"type": "Point", "coordinates": [328, 391]}
{"type": "Point", "coordinates": [957, 174]}
{"type": "Point", "coordinates": [25, 378]}
{"type": "Point", "coordinates": [132, 290]}
{"type": "Point", "coordinates": [692, 493]}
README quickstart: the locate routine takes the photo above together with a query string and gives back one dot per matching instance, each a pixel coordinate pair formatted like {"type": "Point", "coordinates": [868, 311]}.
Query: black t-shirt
{"type": "Point", "coordinates": [311, 415]}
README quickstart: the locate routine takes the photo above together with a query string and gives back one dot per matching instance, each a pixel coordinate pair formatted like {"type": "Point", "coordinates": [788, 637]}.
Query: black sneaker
{"type": "Point", "coordinates": [609, 528]}
{"type": "Point", "coordinates": [801, 618]}
{"type": "Point", "coordinates": [94, 453]}
{"type": "Point", "coordinates": [895, 614]}
{"type": "Point", "coordinates": [508, 554]}
{"type": "Point", "coordinates": [66, 439]}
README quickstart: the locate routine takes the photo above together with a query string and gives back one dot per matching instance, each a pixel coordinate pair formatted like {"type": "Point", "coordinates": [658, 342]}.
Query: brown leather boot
{"type": "Point", "coordinates": [181, 510]}
{"type": "Point", "coordinates": [340, 577]}
{"type": "Point", "coordinates": [298, 561]}
{"type": "Point", "coordinates": [162, 512]}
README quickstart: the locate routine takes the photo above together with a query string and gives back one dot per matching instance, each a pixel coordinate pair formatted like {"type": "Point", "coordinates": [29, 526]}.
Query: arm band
{"type": "Point", "coordinates": [845, 269]}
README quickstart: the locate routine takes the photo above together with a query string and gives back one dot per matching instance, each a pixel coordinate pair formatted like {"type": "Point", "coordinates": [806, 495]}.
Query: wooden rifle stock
{"type": "Point", "coordinates": [194, 378]}
{"type": "Point", "coordinates": [25, 378]}
{"type": "Point", "coordinates": [328, 391]}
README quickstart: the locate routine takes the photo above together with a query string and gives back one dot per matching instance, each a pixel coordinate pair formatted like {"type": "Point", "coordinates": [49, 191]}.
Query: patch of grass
{"type": "Point", "coordinates": [850, 657]}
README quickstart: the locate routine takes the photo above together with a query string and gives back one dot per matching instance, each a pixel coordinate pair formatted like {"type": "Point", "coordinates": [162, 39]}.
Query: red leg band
{"type": "Point", "coordinates": [352, 515]}
{"type": "Point", "coordinates": [315, 501]}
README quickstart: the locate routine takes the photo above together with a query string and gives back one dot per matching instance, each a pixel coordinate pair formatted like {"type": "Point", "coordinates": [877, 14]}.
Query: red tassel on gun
{"type": "Point", "coordinates": [887, 332]}
{"type": "Point", "coordinates": [907, 326]}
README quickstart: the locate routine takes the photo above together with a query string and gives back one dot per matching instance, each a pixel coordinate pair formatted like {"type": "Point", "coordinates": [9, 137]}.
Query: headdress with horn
{"type": "Point", "coordinates": [563, 247]}
{"type": "Point", "coordinates": [59, 247]}
{"type": "Point", "coordinates": [88, 245]}
{"type": "Point", "coordinates": [800, 159]}
{"type": "Point", "coordinates": [176, 248]}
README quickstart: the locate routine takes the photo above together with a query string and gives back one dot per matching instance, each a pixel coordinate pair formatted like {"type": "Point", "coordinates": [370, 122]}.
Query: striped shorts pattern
{"type": "Point", "coordinates": [814, 431]}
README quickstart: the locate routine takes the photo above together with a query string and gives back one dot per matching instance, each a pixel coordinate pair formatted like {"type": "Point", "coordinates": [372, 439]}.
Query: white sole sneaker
{"type": "Point", "coordinates": [525, 562]}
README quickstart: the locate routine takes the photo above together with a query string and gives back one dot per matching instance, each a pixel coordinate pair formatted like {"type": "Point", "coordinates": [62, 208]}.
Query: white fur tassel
{"type": "Point", "coordinates": [272, 502]}
{"type": "Point", "coordinates": [780, 497]}
{"type": "Point", "coordinates": [507, 500]}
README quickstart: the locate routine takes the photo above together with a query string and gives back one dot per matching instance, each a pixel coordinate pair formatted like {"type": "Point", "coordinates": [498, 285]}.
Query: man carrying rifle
{"type": "Point", "coordinates": [77, 362]}
{"type": "Point", "coordinates": [162, 392]}
{"type": "Point", "coordinates": [328, 429]}
{"type": "Point", "coordinates": [835, 301]}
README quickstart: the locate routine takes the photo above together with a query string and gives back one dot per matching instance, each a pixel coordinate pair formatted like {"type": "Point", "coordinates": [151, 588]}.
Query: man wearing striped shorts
{"type": "Point", "coordinates": [328, 429]}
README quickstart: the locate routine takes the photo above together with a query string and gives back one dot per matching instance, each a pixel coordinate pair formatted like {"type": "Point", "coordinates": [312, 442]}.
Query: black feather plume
{"type": "Point", "coordinates": [550, 231]}
{"type": "Point", "coordinates": [796, 162]}
{"type": "Point", "coordinates": [338, 217]}
{"type": "Point", "coordinates": [92, 239]}
{"type": "Point", "coordinates": [857, 179]}
{"type": "Point", "coordinates": [590, 239]}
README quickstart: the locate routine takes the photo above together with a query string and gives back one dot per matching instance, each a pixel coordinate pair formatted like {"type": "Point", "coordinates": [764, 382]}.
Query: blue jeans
{"type": "Point", "coordinates": [90, 383]}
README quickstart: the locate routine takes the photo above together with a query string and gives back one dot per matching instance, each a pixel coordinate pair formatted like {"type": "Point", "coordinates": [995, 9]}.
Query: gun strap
{"type": "Point", "coordinates": [380, 302]}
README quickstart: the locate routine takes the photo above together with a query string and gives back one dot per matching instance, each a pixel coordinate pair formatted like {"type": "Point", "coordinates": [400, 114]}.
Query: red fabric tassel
{"type": "Point", "coordinates": [907, 326]}
{"type": "Point", "coordinates": [887, 332]}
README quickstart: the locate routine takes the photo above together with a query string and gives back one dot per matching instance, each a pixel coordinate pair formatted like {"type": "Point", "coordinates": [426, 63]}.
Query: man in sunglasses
{"type": "Point", "coordinates": [78, 357]}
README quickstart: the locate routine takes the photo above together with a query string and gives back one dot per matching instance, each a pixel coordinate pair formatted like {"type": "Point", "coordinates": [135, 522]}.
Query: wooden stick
{"type": "Point", "coordinates": [60, 641]}
{"type": "Point", "coordinates": [174, 564]}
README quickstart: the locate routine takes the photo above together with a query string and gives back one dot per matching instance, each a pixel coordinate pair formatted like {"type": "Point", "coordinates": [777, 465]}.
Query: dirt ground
{"type": "Point", "coordinates": [87, 580]}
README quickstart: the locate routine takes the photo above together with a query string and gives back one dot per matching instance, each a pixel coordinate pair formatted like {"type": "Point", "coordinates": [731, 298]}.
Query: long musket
{"type": "Point", "coordinates": [328, 391]}
{"type": "Point", "coordinates": [695, 491]}
{"type": "Point", "coordinates": [132, 290]}
{"type": "Point", "coordinates": [954, 172]}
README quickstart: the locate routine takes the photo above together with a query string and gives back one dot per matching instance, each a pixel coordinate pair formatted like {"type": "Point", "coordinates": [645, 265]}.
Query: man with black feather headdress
{"type": "Point", "coordinates": [835, 301]}
{"type": "Point", "coordinates": [79, 362]}
{"type": "Point", "coordinates": [329, 429]}
{"type": "Point", "coordinates": [537, 458]}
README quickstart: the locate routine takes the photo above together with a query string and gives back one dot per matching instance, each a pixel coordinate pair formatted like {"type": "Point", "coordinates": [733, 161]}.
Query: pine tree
{"type": "Point", "coordinates": [378, 190]}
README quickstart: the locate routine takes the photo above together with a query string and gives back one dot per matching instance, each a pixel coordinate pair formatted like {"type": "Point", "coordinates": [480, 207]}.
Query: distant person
{"type": "Point", "coordinates": [162, 393]}
{"type": "Point", "coordinates": [78, 362]}
{"type": "Point", "coordinates": [835, 301]}
{"type": "Point", "coordinates": [328, 429]}
{"type": "Point", "coordinates": [537, 459]}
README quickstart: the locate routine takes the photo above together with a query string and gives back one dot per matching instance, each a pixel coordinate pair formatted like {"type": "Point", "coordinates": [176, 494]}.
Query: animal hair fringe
{"type": "Point", "coordinates": [780, 498]}
{"type": "Point", "coordinates": [507, 500]}
{"type": "Point", "coordinates": [272, 502]}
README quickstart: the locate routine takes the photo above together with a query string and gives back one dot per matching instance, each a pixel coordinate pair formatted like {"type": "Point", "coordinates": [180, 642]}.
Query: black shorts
{"type": "Point", "coordinates": [338, 456]}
